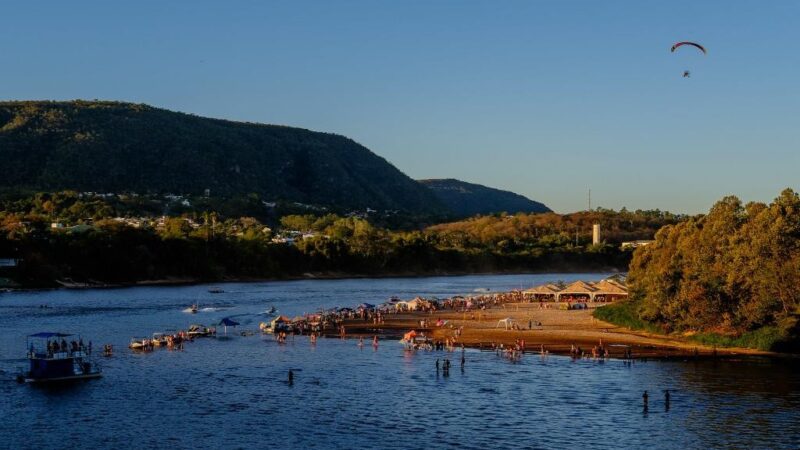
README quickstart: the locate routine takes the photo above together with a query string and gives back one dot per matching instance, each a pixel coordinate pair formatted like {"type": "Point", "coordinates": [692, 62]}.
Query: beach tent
{"type": "Point", "coordinates": [578, 288]}
{"type": "Point", "coordinates": [542, 291]}
{"type": "Point", "coordinates": [401, 306]}
{"type": "Point", "coordinates": [418, 303]}
{"type": "Point", "coordinates": [228, 322]}
{"type": "Point", "coordinates": [508, 323]}
{"type": "Point", "coordinates": [610, 289]}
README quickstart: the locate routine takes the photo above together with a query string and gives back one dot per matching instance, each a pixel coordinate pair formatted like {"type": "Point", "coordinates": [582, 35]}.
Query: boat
{"type": "Point", "coordinates": [138, 343]}
{"type": "Point", "coordinates": [53, 360]}
{"type": "Point", "coordinates": [216, 290]}
{"type": "Point", "coordinates": [193, 309]}
{"type": "Point", "coordinates": [270, 311]}
{"type": "Point", "coordinates": [200, 331]}
{"type": "Point", "coordinates": [159, 339]}
{"type": "Point", "coordinates": [277, 325]}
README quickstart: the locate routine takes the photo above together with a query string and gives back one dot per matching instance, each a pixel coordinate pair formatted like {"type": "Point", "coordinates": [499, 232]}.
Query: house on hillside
{"type": "Point", "coordinates": [635, 244]}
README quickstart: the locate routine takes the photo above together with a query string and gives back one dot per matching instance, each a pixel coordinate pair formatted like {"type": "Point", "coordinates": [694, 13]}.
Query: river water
{"type": "Point", "coordinates": [233, 393]}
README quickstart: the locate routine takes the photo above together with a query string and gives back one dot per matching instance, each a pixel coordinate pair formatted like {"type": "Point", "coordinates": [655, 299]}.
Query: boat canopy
{"type": "Point", "coordinates": [48, 334]}
{"type": "Point", "coordinates": [228, 322]}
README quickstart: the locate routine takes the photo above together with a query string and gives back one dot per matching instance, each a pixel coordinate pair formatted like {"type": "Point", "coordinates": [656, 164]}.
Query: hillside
{"type": "Point", "coordinates": [468, 199]}
{"type": "Point", "coordinates": [122, 147]}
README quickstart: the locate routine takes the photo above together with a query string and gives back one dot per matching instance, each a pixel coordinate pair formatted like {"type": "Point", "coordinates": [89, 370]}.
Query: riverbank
{"type": "Point", "coordinates": [328, 275]}
{"type": "Point", "coordinates": [555, 330]}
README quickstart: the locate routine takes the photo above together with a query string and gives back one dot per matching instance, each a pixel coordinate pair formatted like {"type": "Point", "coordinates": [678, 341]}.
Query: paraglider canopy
{"type": "Point", "coordinates": [693, 44]}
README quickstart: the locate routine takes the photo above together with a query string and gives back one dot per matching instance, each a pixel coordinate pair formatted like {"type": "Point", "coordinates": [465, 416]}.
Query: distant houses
{"type": "Point", "coordinates": [635, 244]}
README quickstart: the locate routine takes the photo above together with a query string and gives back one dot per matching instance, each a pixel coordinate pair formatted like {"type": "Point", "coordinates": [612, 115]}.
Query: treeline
{"type": "Point", "coordinates": [556, 229]}
{"type": "Point", "coordinates": [734, 272]}
{"type": "Point", "coordinates": [72, 207]}
{"type": "Point", "coordinates": [211, 247]}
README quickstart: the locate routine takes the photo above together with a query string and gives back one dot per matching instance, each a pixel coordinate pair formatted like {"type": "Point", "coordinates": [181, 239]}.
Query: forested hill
{"type": "Point", "coordinates": [122, 147]}
{"type": "Point", "coordinates": [468, 199]}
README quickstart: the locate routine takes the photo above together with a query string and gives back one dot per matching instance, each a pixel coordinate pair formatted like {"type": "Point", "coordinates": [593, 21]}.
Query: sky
{"type": "Point", "coordinates": [544, 98]}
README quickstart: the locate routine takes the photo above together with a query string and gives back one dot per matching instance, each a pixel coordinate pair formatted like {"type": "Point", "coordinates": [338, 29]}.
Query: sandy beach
{"type": "Point", "coordinates": [555, 329]}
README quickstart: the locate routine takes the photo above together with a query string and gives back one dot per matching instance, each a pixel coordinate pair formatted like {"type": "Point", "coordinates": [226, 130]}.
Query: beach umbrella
{"type": "Point", "coordinates": [226, 322]}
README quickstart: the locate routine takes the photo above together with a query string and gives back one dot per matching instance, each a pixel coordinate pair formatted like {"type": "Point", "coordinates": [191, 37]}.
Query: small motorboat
{"type": "Point", "coordinates": [270, 310]}
{"type": "Point", "coordinates": [216, 290]}
{"type": "Point", "coordinates": [140, 344]}
{"type": "Point", "coordinates": [159, 339]}
{"type": "Point", "coordinates": [197, 330]}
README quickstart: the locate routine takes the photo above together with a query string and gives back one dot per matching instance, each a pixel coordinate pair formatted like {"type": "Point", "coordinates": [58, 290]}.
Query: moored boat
{"type": "Point", "coordinates": [197, 330]}
{"type": "Point", "coordinates": [159, 339]}
{"type": "Point", "coordinates": [53, 360]}
{"type": "Point", "coordinates": [142, 344]}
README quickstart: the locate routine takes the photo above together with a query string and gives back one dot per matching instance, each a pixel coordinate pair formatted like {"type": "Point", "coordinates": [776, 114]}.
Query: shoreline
{"type": "Point", "coordinates": [558, 332]}
{"type": "Point", "coordinates": [179, 281]}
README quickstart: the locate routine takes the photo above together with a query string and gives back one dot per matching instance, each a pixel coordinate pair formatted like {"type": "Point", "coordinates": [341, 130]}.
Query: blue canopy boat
{"type": "Point", "coordinates": [53, 359]}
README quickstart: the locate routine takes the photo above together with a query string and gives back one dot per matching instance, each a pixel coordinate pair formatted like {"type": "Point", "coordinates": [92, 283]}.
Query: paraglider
{"type": "Point", "coordinates": [693, 44]}
{"type": "Point", "coordinates": [686, 73]}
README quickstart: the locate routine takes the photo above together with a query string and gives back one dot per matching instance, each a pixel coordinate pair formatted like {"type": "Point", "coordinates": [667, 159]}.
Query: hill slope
{"type": "Point", "coordinates": [119, 147]}
{"type": "Point", "coordinates": [468, 199]}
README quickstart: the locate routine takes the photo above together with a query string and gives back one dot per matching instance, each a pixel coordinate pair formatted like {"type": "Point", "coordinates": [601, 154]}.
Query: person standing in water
{"type": "Point", "coordinates": [666, 399]}
{"type": "Point", "coordinates": [644, 400]}
{"type": "Point", "coordinates": [291, 377]}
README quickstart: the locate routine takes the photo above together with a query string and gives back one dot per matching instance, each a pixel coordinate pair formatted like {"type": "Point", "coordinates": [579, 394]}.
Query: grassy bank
{"type": "Point", "coordinates": [624, 315]}
{"type": "Point", "coordinates": [782, 338]}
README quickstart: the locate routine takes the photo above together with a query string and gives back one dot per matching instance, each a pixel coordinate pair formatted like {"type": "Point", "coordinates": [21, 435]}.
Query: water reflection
{"type": "Point", "coordinates": [235, 393]}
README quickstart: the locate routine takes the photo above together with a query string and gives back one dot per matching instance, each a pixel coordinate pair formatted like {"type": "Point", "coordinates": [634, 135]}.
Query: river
{"type": "Point", "coordinates": [233, 393]}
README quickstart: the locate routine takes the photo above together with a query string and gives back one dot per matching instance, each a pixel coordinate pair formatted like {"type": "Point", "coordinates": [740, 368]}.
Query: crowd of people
{"type": "Point", "coordinates": [73, 347]}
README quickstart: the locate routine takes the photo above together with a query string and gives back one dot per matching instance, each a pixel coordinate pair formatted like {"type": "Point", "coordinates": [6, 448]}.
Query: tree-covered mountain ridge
{"type": "Point", "coordinates": [103, 146]}
{"type": "Point", "coordinates": [469, 199]}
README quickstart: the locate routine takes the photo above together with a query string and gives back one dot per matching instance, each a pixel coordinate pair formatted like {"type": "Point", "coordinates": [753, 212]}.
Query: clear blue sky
{"type": "Point", "coordinates": [546, 99]}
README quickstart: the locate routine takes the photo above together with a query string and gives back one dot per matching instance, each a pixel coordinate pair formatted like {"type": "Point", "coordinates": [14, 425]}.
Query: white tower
{"type": "Point", "coordinates": [595, 234]}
